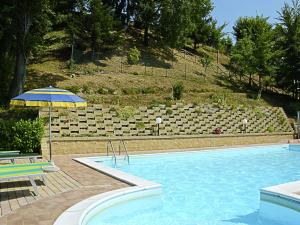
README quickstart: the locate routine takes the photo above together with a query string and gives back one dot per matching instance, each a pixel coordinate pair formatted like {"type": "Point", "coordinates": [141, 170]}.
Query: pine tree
{"type": "Point", "coordinates": [288, 41]}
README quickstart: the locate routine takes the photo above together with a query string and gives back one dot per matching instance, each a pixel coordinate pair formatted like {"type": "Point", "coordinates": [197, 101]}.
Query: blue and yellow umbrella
{"type": "Point", "coordinates": [49, 97]}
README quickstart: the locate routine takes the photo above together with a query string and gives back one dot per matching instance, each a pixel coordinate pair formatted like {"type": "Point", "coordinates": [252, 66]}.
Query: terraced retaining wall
{"type": "Point", "coordinates": [183, 126]}
{"type": "Point", "coordinates": [97, 121]}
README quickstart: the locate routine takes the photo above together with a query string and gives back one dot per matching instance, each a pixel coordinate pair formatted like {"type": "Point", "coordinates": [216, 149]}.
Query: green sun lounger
{"type": "Point", "coordinates": [13, 155]}
{"type": "Point", "coordinates": [21, 171]}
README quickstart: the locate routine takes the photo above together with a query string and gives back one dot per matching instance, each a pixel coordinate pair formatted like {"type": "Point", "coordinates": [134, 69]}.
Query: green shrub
{"type": "Point", "coordinates": [140, 125]}
{"type": "Point", "coordinates": [70, 63]}
{"type": "Point", "coordinates": [258, 113]}
{"type": "Point", "coordinates": [178, 91]}
{"type": "Point", "coordinates": [206, 61]}
{"type": "Point", "coordinates": [28, 135]}
{"type": "Point", "coordinates": [134, 56]}
{"type": "Point", "coordinates": [168, 102]}
{"type": "Point", "coordinates": [23, 135]}
{"type": "Point", "coordinates": [219, 98]}
{"type": "Point", "coordinates": [75, 89]}
{"type": "Point", "coordinates": [63, 113]}
{"type": "Point", "coordinates": [154, 103]}
{"type": "Point", "coordinates": [86, 89]}
{"type": "Point", "coordinates": [126, 112]}
{"type": "Point", "coordinates": [169, 111]}
{"type": "Point", "coordinates": [142, 90]}
{"type": "Point", "coordinates": [270, 129]}
{"type": "Point", "coordinates": [19, 113]}
{"type": "Point", "coordinates": [6, 134]}
{"type": "Point", "coordinates": [104, 91]}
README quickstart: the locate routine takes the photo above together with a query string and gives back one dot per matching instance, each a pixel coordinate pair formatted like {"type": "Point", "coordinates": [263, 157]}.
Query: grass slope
{"type": "Point", "coordinates": [108, 78]}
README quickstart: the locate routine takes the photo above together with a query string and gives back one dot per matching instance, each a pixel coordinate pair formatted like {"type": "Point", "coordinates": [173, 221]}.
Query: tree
{"type": "Point", "coordinates": [206, 61]}
{"type": "Point", "coordinates": [147, 14]}
{"type": "Point", "coordinates": [258, 31]}
{"type": "Point", "coordinates": [100, 24]}
{"type": "Point", "coordinates": [30, 18]}
{"type": "Point", "coordinates": [242, 58]}
{"type": "Point", "coordinates": [7, 46]}
{"type": "Point", "coordinates": [227, 44]}
{"type": "Point", "coordinates": [175, 23]}
{"type": "Point", "coordinates": [201, 18]}
{"type": "Point", "coordinates": [288, 41]}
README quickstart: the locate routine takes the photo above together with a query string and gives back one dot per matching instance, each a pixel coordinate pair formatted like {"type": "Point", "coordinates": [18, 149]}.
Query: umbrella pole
{"type": "Point", "coordinates": [50, 135]}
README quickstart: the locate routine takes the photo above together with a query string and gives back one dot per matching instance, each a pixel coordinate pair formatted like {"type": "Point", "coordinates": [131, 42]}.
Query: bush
{"type": "Point", "coordinates": [217, 130]}
{"type": "Point", "coordinates": [270, 129]}
{"type": "Point", "coordinates": [126, 112]}
{"type": "Point", "coordinates": [140, 125]}
{"type": "Point", "coordinates": [134, 56]}
{"type": "Point", "coordinates": [22, 135]}
{"type": "Point", "coordinates": [177, 91]}
{"type": "Point", "coordinates": [6, 134]}
{"type": "Point", "coordinates": [70, 63]}
{"type": "Point", "coordinates": [154, 103]}
{"type": "Point", "coordinates": [169, 111]}
{"type": "Point", "coordinates": [258, 113]}
{"type": "Point", "coordinates": [75, 89]}
{"type": "Point", "coordinates": [86, 89]}
{"type": "Point", "coordinates": [104, 91]}
{"type": "Point", "coordinates": [219, 99]}
{"type": "Point", "coordinates": [206, 61]}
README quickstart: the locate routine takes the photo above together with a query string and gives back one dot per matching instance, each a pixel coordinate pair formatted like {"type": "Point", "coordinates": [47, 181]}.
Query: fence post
{"type": "Point", "coordinates": [172, 57]}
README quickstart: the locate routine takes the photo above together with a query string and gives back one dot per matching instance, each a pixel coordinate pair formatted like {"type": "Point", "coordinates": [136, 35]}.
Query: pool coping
{"type": "Point", "coordinates": [286, 195]}
{"type": "Point", "coordinates": [76, 214]}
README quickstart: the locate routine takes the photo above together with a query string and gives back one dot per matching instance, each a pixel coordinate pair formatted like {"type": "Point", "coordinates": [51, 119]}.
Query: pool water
{"type": "Point", "coordinates": [214, 187]}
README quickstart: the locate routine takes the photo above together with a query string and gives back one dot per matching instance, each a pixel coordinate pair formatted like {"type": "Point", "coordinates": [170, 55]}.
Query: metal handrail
{"type": "Point", "coordinates": [125, 150]}
{"type": "Point", "coordinates": [109, 143]}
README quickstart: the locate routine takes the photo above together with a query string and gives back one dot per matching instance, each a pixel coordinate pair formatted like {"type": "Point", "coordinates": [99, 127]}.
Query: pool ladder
{"type": "Point", "coordinates": [122, 146]}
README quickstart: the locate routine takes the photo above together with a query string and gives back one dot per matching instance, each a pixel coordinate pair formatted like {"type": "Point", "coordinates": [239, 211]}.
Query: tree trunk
{"type": "Point", "coordinates": [250, 79]}
{"type": "Point", "coordinates": [195, 45]}
{"type": "Point", "coordinates": [22, 27]}
{"type": "Point", "coordinates": [146, 36]}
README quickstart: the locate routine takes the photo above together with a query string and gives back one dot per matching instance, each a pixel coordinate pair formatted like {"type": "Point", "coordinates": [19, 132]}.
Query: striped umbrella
{"type": "Point", "coordinates": [49, 97]}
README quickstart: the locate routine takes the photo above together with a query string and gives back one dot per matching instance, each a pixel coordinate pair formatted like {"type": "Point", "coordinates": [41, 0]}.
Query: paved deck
{"type": "Point", "coordinates": [75, 182]}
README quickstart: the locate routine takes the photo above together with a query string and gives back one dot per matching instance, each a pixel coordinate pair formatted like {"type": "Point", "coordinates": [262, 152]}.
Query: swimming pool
{"type": "Point", "coordinates": [213, 187]}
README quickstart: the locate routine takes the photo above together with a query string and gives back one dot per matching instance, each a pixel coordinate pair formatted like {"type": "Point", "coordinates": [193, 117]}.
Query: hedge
{"type": "Point", "coordinates": [22, 135]}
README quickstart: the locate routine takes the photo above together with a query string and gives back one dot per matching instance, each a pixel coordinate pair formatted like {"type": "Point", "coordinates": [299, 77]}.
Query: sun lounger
{"type": "Point", "coordinates": [13, 155]}
{"type": "Point", "coordinates": [21, 171]}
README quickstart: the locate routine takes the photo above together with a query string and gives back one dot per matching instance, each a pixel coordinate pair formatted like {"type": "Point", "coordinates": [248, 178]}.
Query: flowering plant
{"type": "Point", "coordinates": [217, 130]}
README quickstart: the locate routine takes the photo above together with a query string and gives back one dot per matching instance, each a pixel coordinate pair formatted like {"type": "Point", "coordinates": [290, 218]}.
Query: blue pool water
{"type": "Point", "coordinates": [215, 187]}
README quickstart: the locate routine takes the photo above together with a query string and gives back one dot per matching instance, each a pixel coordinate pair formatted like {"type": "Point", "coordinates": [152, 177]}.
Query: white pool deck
{"type": "Point", "coordinates": [289, 190]}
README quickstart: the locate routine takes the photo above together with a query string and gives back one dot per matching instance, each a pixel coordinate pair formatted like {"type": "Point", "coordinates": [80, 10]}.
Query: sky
{"type": "Point", "coordinates": [228, 11]}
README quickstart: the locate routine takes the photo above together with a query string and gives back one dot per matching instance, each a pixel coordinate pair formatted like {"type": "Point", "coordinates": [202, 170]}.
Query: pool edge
{"type": "Point", "coordinates": [76, 214]}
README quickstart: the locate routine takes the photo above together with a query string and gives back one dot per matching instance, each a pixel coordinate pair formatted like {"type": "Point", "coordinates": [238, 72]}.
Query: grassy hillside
{"type": "Point", "coordinates": [107, 78]}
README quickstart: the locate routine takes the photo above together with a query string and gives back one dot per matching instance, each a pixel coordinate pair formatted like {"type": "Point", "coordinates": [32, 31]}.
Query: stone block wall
{"type": "Point", "coordinates": [97, 145]}
{"type": "Point", "coordinates": [98, 121]}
